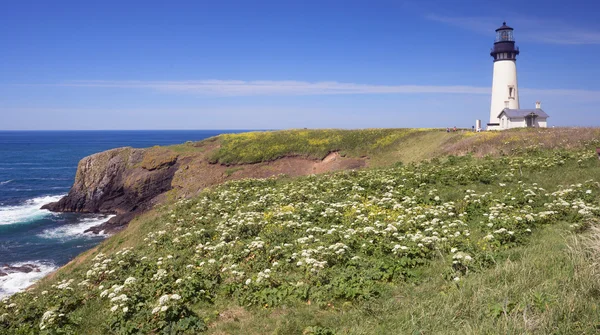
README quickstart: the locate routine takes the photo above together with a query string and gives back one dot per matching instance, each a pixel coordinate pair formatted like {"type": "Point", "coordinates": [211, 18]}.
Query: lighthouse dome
{"type": "Point", "coordinates": [504, 27]}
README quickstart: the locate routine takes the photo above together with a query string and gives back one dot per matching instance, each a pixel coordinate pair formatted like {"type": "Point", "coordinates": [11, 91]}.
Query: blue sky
{"type": "Point", "coordinates": [287, 64]}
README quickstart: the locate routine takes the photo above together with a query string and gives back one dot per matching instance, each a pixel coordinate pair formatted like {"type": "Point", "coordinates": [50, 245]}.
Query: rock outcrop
{"type": "Point", "coordinates": [122, 181]}
{"type": "Point", "coordinates": [6, 269]}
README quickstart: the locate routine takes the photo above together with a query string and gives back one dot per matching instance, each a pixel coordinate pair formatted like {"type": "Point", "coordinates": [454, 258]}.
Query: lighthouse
{"type": "Point", "coordinates": [505, 111]}
{"type": "Point", "coordinates": [505, 92]}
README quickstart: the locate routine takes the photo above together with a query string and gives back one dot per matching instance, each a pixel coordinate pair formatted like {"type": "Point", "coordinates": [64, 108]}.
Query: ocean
{"type": "Point", "coordinates": [38, 167]}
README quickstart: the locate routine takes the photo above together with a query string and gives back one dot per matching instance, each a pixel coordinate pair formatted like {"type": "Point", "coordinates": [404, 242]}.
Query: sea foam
{"type": "Point", "coordinates": [28, 211]}
{"type": "Point", "coordinates": [75, 230]}
{"type": "Point", "coordinates": [14, 282]}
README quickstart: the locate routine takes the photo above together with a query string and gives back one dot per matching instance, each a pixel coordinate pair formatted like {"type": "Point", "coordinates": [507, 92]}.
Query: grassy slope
{"type": "Point", "coordinates": [541, 286]}
{"type": "Point", "coordinates": [547, 286]}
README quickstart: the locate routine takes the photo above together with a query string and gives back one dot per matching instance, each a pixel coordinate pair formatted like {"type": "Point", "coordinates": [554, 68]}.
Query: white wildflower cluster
{"type": "Point", "coordinates": [8, 304]}
{"type": "Point", "coordinates": [49, 319]}
{"type": "Point", "coordinates": [262, 275]}
{"type": "Point", "coordinates": [64, 284]}
{"type": "Point", "coordinates": [461, 258]}
{"type": "Point", "coordinates": [130, 281]}
{"type": "Point", "coordinates": [118, 300]}
{"type": "Point", "coordinates": [100, 266]}
{"type": "Point", "coordinates": [165, 302]}
{"type": "Point", "coordinates": [399, 248]}
{"type": "Point", "coordinates": [159, 275]}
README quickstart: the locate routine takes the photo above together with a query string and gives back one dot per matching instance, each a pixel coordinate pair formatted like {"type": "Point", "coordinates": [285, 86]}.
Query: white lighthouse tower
{"type": "Point", "coordinates": [505, 91]}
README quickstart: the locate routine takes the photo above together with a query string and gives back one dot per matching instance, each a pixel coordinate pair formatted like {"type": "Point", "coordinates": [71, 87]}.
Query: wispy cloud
{"type": "Point", "coordinates": [268, 87]}
{"type": "Point", "coordinates": [529, 28]}
{"type": "Point", "coordinates": [303, 88]}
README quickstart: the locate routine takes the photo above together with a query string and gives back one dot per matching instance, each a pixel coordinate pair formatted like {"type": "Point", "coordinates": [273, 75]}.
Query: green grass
{"type": "Point", "coordinates": [541, 278]}
{"type": "Point", "coordinates": [548, 286]}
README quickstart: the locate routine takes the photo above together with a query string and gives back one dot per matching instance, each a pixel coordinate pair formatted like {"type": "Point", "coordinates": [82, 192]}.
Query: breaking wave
{"type": "Point", "coordinates": [28, 211]}
{"type": "Point", "coordinates": [15, 281]}
{"type": "Point", "coordinates": [75, 230]}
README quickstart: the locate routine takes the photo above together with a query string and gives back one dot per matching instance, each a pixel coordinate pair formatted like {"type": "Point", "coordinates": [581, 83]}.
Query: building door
{"type": "Point", "coordinates": [530, 120]}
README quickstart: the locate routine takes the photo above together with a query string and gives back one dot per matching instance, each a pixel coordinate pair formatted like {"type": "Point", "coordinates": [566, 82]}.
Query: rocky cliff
{"type": "Point", "coordinates": [123, 181]}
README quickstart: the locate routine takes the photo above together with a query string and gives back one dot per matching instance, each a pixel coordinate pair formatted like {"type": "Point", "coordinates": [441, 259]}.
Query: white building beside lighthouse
{"type": "Point", "coordinates": [505, 111]}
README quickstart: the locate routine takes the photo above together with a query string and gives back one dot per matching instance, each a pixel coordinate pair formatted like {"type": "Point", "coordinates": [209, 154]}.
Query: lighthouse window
{"type": "Point", "coordinates": [504, 35]}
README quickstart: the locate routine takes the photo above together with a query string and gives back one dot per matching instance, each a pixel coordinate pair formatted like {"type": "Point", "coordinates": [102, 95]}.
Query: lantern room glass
{"type": "Point", "coordinates": [504, 36]}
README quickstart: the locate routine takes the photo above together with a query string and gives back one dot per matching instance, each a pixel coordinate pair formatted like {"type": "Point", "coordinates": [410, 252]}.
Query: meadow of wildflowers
{"type": "Point", "coordinates": [346, 237]}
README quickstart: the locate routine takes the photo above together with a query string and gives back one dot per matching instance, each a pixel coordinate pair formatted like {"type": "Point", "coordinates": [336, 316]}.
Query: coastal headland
{"type": "Point", "coordinates": [333, 232]}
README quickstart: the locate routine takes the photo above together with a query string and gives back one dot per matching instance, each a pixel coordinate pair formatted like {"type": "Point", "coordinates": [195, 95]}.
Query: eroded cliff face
{"type": "Point", "coordinates": [122, 181]}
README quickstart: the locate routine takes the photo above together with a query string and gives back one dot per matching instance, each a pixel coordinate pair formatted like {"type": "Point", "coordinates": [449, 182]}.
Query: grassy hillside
{"type": "Point", "coordinates": [448, 246]}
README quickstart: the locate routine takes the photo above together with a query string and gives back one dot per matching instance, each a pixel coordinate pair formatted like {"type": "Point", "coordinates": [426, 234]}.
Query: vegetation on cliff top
{"type": "Point", "coordinates": [256, 147]}
{"type": "Point", "coordinates": [459, 245]}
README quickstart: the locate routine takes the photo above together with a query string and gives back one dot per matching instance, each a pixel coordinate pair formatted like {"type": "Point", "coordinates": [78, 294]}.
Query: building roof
{"type": "Point", "coordinates": [523, 112]}
{"type": "Point", "coordinates": [504, 27]}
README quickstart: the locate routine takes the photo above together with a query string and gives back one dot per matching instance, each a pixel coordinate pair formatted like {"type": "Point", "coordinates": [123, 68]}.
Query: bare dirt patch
{"type": "Point", "coordinates": [196, 173]}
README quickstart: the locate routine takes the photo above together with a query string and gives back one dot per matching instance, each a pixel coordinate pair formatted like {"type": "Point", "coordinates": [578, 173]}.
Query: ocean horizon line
{"type": "Point", "coordinates": [81, 130]}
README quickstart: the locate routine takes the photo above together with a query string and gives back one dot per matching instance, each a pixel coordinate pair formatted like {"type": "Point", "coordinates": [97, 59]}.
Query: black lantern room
{"type": "Point", "coordinates": [504, 47]}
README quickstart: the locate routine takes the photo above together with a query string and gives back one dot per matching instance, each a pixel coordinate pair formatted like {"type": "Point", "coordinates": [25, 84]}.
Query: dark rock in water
{"type": "Point", "coordinates": [122, 181]}
{"type": "Point", "coordinates": [115, 224]}
{"type": "Point", "coordinates": [25, 268]}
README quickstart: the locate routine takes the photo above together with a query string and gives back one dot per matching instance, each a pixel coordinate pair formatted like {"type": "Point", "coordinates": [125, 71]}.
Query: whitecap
{"type": "Point", "coordinates": [6, 182]}
{"type": "Point", "coordinates": [28, 211]}
{"type": "Point", "coordinates": [76, 230]}
{"type": "Point", "coordinates": [14, 282]}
